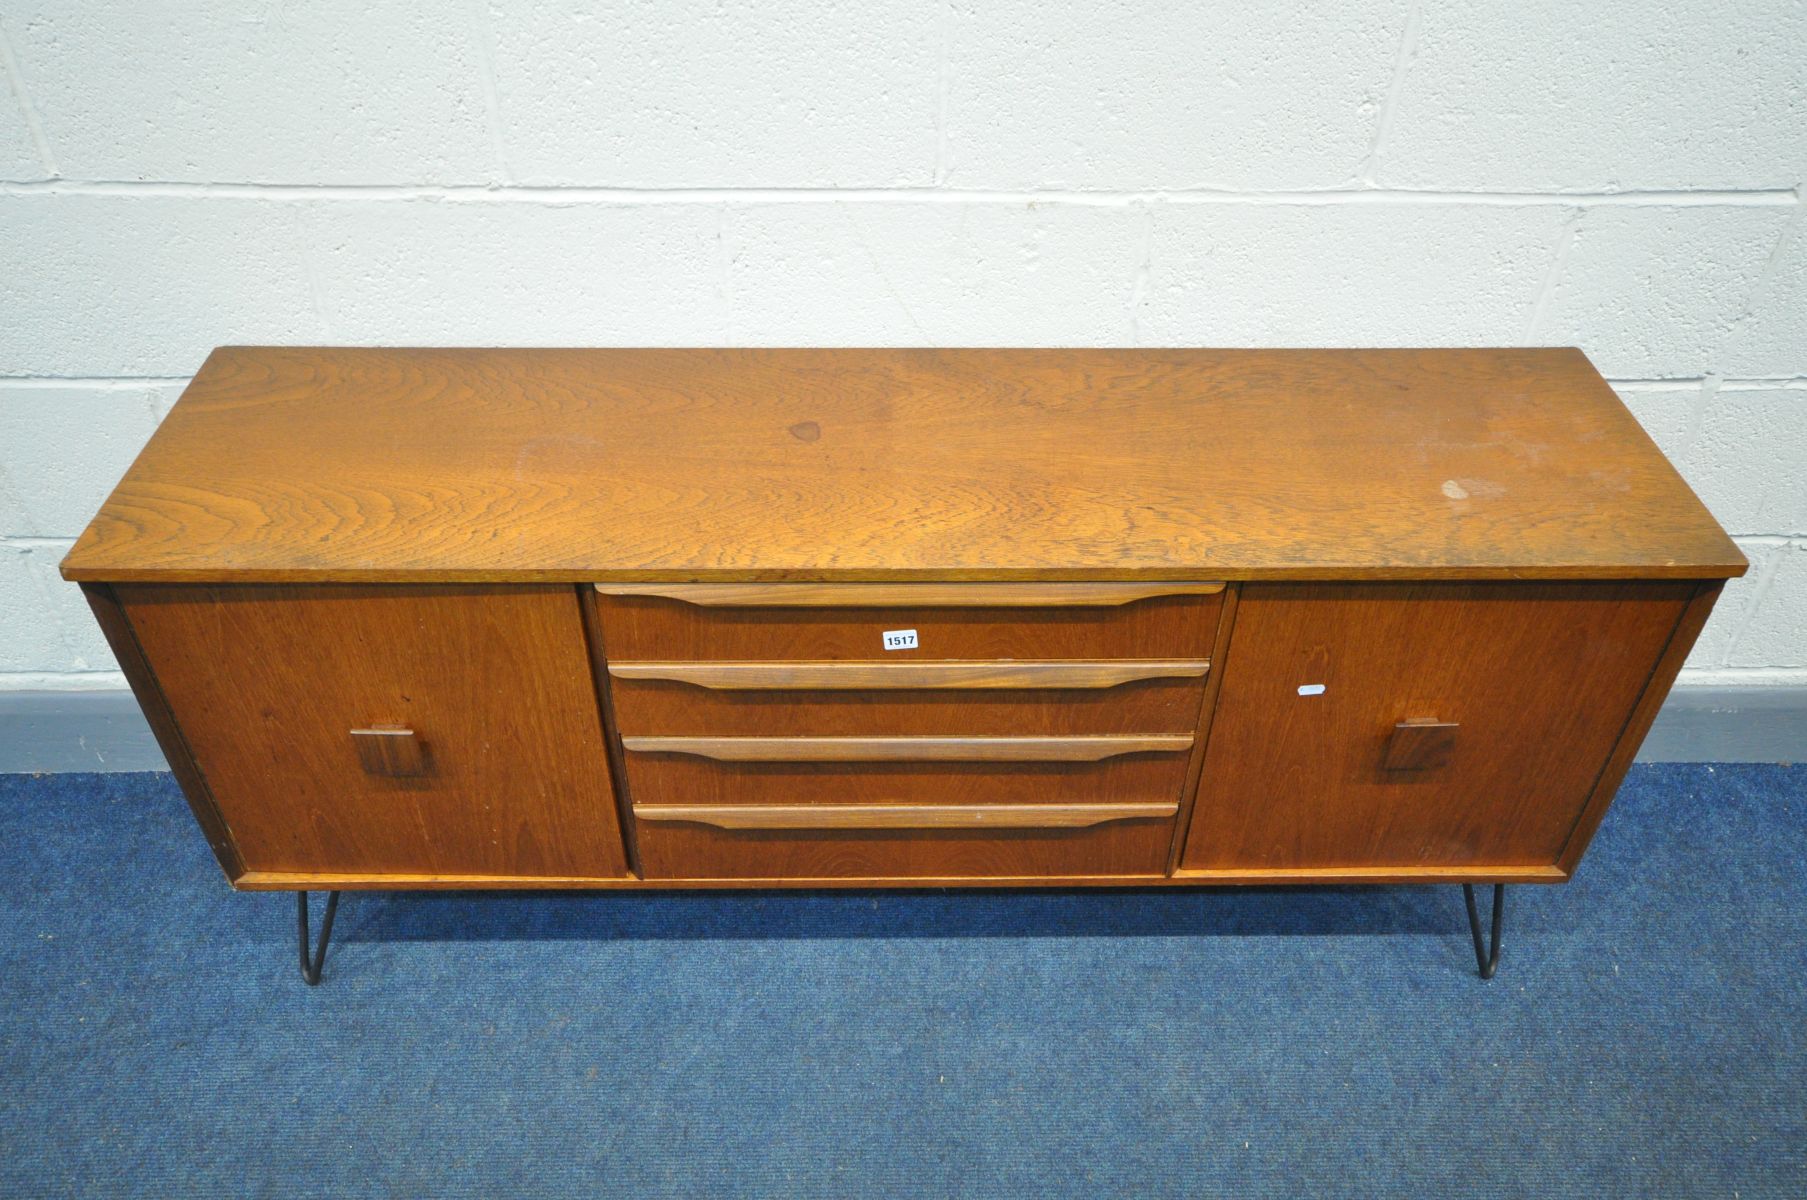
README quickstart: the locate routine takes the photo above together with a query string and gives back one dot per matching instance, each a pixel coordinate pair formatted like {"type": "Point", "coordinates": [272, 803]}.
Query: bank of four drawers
{"type": "Point", "coordinates": [1034, 729]}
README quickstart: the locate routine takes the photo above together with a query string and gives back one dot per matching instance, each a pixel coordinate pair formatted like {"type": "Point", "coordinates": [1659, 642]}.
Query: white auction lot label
{"type": "Point", "coordinates": [900, 639]}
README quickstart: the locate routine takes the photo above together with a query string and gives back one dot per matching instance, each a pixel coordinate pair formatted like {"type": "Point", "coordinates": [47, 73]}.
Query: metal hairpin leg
{"type": "Point", "coordinates": [310, 969]}
{"type": "Point", "coordinates": [1486, 954]}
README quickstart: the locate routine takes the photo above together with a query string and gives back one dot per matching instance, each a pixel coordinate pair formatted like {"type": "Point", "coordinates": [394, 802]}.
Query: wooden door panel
{"type": "Point", "coordinates": [390, 730]}
{"type": "Point", "coordinates": [1332, 743]}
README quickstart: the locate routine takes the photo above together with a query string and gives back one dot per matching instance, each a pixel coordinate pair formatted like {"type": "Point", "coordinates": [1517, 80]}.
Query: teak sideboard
{"type": "Point", "coordinates": [808, 618]}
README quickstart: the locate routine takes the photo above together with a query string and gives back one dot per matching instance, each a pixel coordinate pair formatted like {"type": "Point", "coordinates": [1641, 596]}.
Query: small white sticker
{"type": "Point", "coordinates": [1311, 689]}
{"type": "Point", "coordinates": [900, 639]}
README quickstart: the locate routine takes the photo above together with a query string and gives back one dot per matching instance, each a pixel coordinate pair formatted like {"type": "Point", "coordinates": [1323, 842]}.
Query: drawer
{"type": "Point", "coordinates": [1127, 849]}
{"type": "Point", "coordinates": [900, 807]}
{"type": "Point", "coordinates": [958, 771]}
{"type": "Point", "coordinates": [768, 699]}
{"type": "Point", "coordinates": [848, 621]}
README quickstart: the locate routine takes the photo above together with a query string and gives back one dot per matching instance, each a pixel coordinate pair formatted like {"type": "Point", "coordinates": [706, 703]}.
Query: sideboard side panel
{"type": "Point", "coordinates": [611, 727]}
{"type": "Point", "coordinates": [1681, 641]}
{"type": "Point", "coordinates": [505, 774]}
{"type": "Point", "coordinates": [1220, 656]}
{"type": "Point", "coordinates": [117, 628]}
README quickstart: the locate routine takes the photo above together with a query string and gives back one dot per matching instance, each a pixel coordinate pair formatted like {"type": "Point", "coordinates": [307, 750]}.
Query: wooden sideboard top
{"type": "Point", "coordinates": [285, 464]}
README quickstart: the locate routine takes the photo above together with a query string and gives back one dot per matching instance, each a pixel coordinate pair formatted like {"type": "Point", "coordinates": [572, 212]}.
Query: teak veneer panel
{"type": "Point", "coordinates": [1541, 678]}
{"type": "Point", "coordinates": [270, 881]}
{"type": "Point", "coordinates": [450, 618]}
{"type": "Point", "coordinates": [1127, 850]}
{"type": "Point", "coordinates": [117, 629]}
{"type": "Point", "coordinates": [283, 464]}
{"type": "Point", "coordinates": [1088, 748]}
{"type": "Point", "coordinates": [653, 629]}
{"type": "Point", "coordinates": [650, 706]}
{"type": "Point", "coordinates": [903, 816]}
{"type": "Point", "coordinates": [666, 779]}
{"type": "Point", "coordinates": [845, 676]}
{"type": "Point", "coordinates": [270, 682]}
{"type": "Point", "coordinates": [908, 595]}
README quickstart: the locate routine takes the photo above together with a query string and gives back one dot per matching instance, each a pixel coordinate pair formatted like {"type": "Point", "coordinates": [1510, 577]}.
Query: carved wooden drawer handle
{"type": "Point", "coordinates": [1421, 744]}
{"type": "Point", "coordinates": [904, 816]}
{"type": "Point", "coordinates": [392, 750]}
{"type": "Point", "coordinates": [907, 595]}
{"type": "Point", "coordinates": [850, 676]}
{"type": "Point", "coordinates": [910, 749]}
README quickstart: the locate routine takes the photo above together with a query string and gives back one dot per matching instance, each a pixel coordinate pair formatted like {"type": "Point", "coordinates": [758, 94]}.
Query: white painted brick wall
{"type": "Point", "coordinates": [48, 638]}
{"type": "Point", "coordinates": [333, 91]}
{"type": "Point", "coordinates": [19, 158]}
{"type": "Point", "coordinates": [1739, 432]}
{"type": "Point", "coordinates": [1173, 94]}
{"type": "Point", "coordinates": [424, 271]}
{"type": "Point", "coordinates": [62, 447]}
{"type": "Point", "coordinates": [1654, 291]}
{"type": "Point", "coordinates": [109, 285]}
{"type": "Point", "coordinates": [745, 93]}
{"type": "Point", "coordinates": [980, 172]}
{"type": "Point", "coordinates": [930, 274]}
{"type": "Point", "coordinates": [1772, 330]}
{"type": "Point", "coordinates": [1345, 274]}
{"type": "Point", "coordinates": [1775, 635]}
{"type": "Point", "coordinates": [1546, 95]}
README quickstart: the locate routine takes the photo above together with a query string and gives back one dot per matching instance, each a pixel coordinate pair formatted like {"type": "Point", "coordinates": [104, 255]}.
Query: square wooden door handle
{"type": "Point", "coordinates": [1421, 744]}
{"type": "Point", "coordinates": [393, 750]}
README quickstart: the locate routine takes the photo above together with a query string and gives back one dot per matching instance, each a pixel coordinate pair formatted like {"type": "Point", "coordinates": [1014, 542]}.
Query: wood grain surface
{"type": "Point", "coordinates": [912, 749]}
{"type": "Point", "coordinates": [649, 629]}
{"type": "Point", "coordinates": [1541, 679]}
{"type": "Point", "coordinates": [393, 751]}
{"type": "Point", "coordinates": [1121, 849]}
{"type": "Point", "coordinates": [646, 706]}
{"type": "Point", "coordinates": [117, 628]}
{"type": "Point", "coordinates": [265, 881]}
{"type": "Point", "coordinates": [1220, 648]}
{"type": "Point", "coordinates": [1420, 744]}
{"type": "Point", "coordinates": [743, 527]}
{"type": "Point", "coordinates": [961, 676]}
{"type": "Point", "coordinates": [268, 682]}
{"type": "Point", "coordinates": [903, 816]}
{"type": "Point", "coordinates": [663, 779]}
{"type": "Point", "coordinates": [417, 465]}
{"type": "Point", "coordinates": [908, 595]}
{"type": "Point", "coordinates": [1681, 641]}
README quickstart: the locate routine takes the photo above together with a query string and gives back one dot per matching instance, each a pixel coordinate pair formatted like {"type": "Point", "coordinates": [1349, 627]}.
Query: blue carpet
{"type": "Point", "coordinates": [1647, 1034]}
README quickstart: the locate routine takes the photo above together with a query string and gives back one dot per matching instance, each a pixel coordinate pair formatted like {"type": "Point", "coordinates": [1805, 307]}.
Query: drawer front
{"type": "Point", "coordinates": [1027, 730]}
{"type": "Point", "coordinates": [1125, 849]}
{"type": "Point", "coordinates": [659, 779]}
{"type": "Point", "coordinates": [722, 699]}
{"type": "Point", "coordinates": [904, 807]}
{"type": "Point", "coordinates": [825, 622]}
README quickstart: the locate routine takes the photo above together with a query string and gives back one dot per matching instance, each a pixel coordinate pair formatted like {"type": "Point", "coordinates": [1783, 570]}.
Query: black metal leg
{"type": "Point", "coordinates": [1486, 954]}
{"type": "Point", "coordinates": [310, 969]}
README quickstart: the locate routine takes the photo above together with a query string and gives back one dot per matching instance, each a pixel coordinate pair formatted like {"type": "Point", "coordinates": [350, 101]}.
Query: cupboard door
{"type": "Point", "coordinates": [385, 730]}
{"type": "Point", "coordinates": [1419, 725]}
